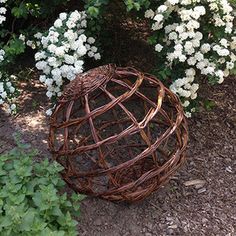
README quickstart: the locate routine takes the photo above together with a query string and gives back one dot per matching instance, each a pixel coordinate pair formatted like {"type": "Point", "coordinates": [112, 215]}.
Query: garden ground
{"type": "Point", "coordinates": [199, 200]}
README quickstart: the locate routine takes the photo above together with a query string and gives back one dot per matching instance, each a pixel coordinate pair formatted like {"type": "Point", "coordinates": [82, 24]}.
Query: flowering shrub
{"type": "Point", "coordinates": [193, 39]}
{"type": "Point", "coordinates": [62, 51]}
{"type": "Point", "coordinates": [3, 11]}
{"type": "Point", "coordinates": [14, 39]}
{"type": "Point", "coordinates": [7, 90]}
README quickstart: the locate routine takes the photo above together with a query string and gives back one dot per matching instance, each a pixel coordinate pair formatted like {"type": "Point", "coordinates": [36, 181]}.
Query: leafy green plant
{"type": "Point", "coordinates": [30, 203]}
{"type": "Point", "coordinates": [136, 4]}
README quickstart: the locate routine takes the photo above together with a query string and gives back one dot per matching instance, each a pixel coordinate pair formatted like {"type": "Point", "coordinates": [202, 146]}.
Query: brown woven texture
{"type": "Point", "coordinates": [119, 133]}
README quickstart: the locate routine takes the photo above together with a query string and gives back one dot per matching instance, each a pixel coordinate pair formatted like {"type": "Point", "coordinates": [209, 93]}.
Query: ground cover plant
{"type": "Point", "coordinates": [31, 197]}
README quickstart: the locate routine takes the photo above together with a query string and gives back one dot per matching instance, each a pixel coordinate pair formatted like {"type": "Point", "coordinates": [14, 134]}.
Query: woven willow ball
{"type": "Point", "coordinates": [119, 133]}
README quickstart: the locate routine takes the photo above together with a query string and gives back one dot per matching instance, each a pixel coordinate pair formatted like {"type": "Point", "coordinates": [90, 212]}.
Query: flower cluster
{"type": "Point", "coordinates": [7, 91]}
{"type": "Point", "coordinates": [3, 11]}
{"type": "Point", "coordinates": [63, 49]}
{"type": "Point", "coordinates": [197, 40]}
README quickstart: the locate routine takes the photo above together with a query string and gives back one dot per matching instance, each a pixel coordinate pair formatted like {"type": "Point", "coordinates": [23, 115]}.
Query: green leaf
{"type": "Point", "coordinates": [20, 11]}
{"type": "Point", "coordinates": [152, 40]}
{"type": "Point", "coordinates": [56, 211]}
{"type": "Point", "coordinates": [209, 105]}
{"type": "Point", "coordinates": [77, 197]}
{"type": "Point", "coordinates": [17, 198]}
{"type": "Point", "coordinates": [27, 220]}
{"type": "Point", "coordinates": [37, 199]}
{"type": "Point", "coordinates": [15, 47]}
{"type": "Point", "coordinates": [93, 11]}
{"type": "Point", "coordinates": [5, 221]}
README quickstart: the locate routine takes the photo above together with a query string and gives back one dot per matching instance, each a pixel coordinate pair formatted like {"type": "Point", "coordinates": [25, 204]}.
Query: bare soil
{"type": "Point", "coordinates": [199, 200]}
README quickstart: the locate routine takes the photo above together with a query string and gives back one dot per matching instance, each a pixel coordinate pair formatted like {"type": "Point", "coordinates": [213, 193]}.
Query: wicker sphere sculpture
{"type": "Point", "coordinates": [119, 133]}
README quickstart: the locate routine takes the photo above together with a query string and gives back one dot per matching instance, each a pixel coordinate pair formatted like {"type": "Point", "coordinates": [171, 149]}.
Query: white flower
{"type": "Point", "coordinates": [224, 42]}
{"type": "Point", "coordinates": [157, 26]}
{"type": "Point", "coordinates": [70, 35]}
{"type": "Point", "coordinates": [192, 61]}
{"type": "Point", "coordinates": [70, 24]}
{"type": "Point", "coordinates": [49, 94]}
{"type": "Point", "coordinates": [42, 78]}
{"type": "Point", "coordinates": [188, 45]}
{"type": "Point", "coordinates": [186, 104]}
{"type": "Point", "coordinates": [83, 38]}
{"type": "Point", "coordinates": [3, 94]}
{"type": "Point", "coordinates": [81, 51]}
{"type": "Point", "coordinates": [220, 74]}
{"type": "Point", "coordinates": [223, 52]}
{"type": "Point", "coordinates": [41, 65]}
{"type": "Point", "coordinates": [58, 23]}
{"type": "Point", "coordinates": [69, 59]}
{"type": "Point", "coordinates": [49, 82]}
{"type": "Point", "coordinates": [188, 114]}
{"type": "Point", "coordinates": [40, 55]}
{"type": "Point", "coordinates": [173, 36]}
{"type": "Point", "coordinates": [205, 48]}
{"type": "Point", "coordinates": [60, 51]}
{"type": "Point", "coordinates": [200, 9]}
{"type": "Point", "coordinates": [199, 56]}
{"type": "Point", "coordinates": [178, 47]}
{"type": "Point", "coordinates": [13, 107]}
{"type": "Point", "coordinates": [63, 16]}
{"type": "Point", "coordinates": [38, 35]}
{"type": "Point", "coordinates": [94, 49]}
{"type": "Point", "coordinates": [22, 37]}
{"type": "Point", "coordinates": [158, 48]}
{"type": "Point", "coordinates": [91, 54]}
{"type": "Point", "coordinates": [8, 84]}
{"type": "Point", "coordinates": [229, 65]}
{"type": "Point", "coordinates": [91, 40]}
{"type": "Point", "coordinates": [149, 13]}
{"type": "Point", "coordinates": [158, 18]}
{"type": "Point", "coordinates": [182, 58]}
{"type": "Point", "coordinates": [97, 56]}
{"type": "Point", "coordinates": [49, 112]}
{"type": "Point", "coordinates": [161, 9]}
{"type": "Point", "coordinates": [12, 89]}
{"type": "Point", "coordinates": [173, 2]}
{"type": "Point", "coordinates": [190, 72]}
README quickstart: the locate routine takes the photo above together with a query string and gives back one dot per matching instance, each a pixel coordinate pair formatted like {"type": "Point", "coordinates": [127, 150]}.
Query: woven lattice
{"type": "Point", "coordinates": [119, 133]}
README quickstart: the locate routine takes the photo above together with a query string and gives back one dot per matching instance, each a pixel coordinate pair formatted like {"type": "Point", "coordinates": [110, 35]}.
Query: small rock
{"type": "Point", "coordinates": [229, 169]}
{"type": "Point", "coordinates": [169, 218]}
{"type": "Point", "coordinates": [173, 226]}
{"type": "Point", "coordinates": [195, 182]}
{"type": "Point", "coordinates": [98, 222]}
{"type": "Point", "coordinates": [201, 190]}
